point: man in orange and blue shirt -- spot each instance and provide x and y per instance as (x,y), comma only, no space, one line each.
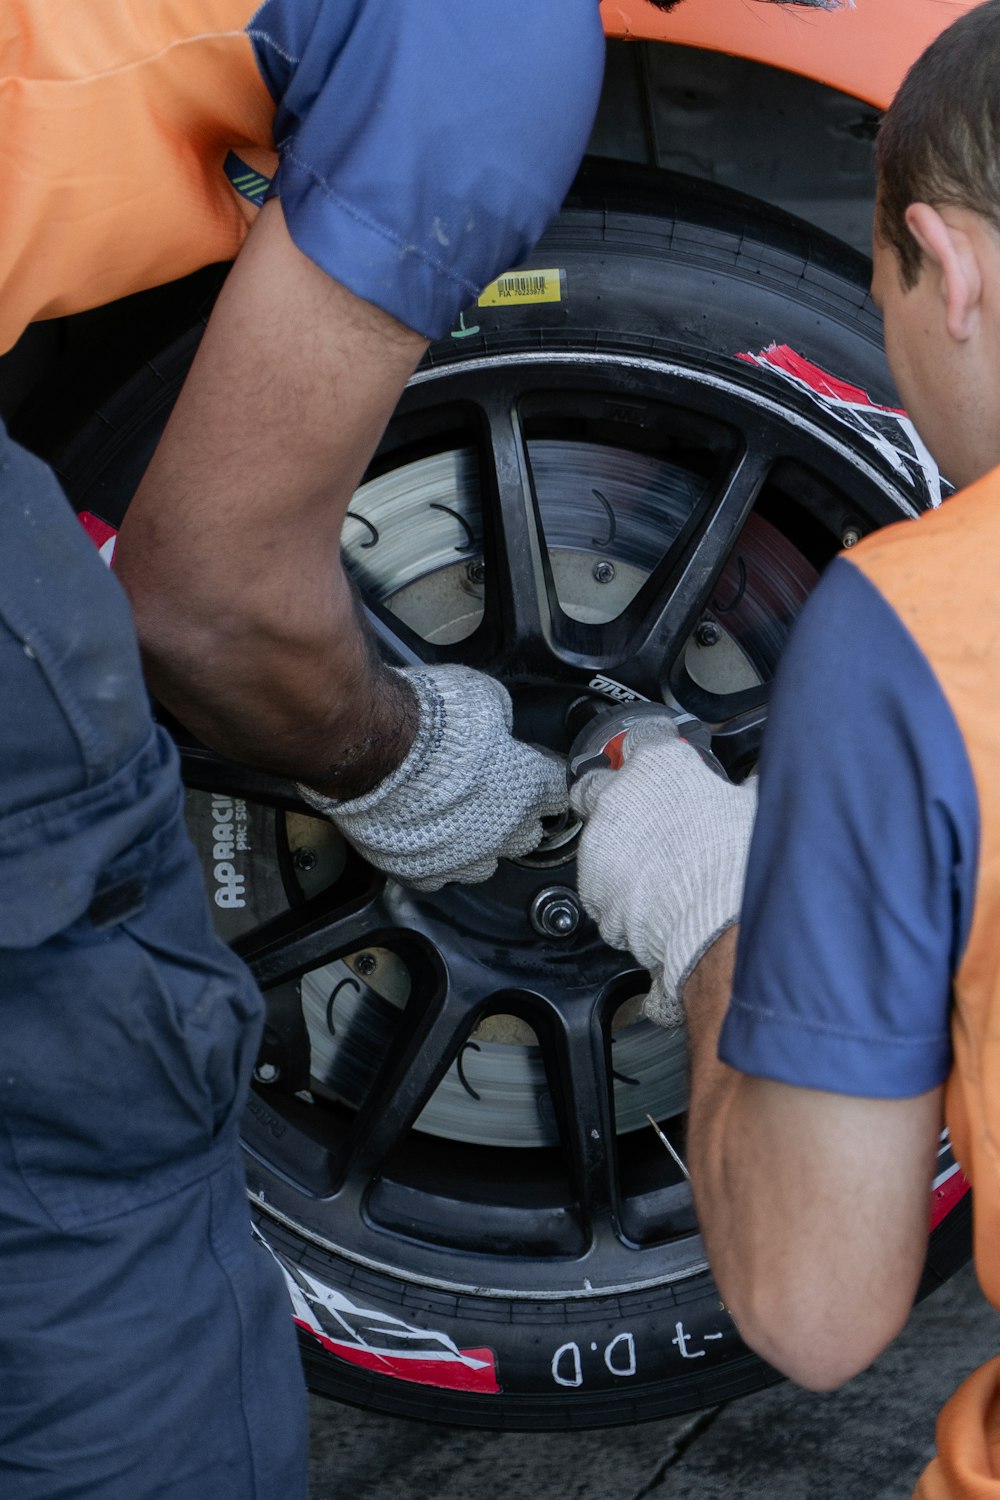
(863,1010)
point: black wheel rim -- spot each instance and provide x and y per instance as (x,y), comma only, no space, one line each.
(735,496)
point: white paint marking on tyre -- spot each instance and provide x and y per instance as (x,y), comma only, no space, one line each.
(887,429)
(364,1336)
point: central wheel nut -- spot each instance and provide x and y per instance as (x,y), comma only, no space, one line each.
(555,912)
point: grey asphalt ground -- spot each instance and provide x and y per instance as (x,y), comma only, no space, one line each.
(868,1441)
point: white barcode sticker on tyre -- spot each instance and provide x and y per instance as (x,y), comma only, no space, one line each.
(516,287)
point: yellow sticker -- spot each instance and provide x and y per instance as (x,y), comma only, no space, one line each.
(517,287)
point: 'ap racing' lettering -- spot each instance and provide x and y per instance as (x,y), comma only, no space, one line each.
(230,886)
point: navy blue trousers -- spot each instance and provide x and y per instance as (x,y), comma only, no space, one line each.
(146,1345)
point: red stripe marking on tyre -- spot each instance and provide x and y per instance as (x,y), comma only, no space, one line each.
(947,1191)
(781,357)
(479,1376)
(103,536)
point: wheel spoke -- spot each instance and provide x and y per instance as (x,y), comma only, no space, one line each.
(736,740)
(580,1080)
(520,592)
(398,644)
(667,607)
(737,719)
(426,1042)
(205,771)
(285,948)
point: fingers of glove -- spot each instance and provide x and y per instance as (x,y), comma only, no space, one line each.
(553,793)
(534,782)
(470,874)
(666,793)
(663,854)
(549,797)
(619,886)
(585,794)
(649,731)
(661,1005)
(627,802)
(524,837)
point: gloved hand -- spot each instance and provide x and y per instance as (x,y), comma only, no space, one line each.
(663,857)
(466,795)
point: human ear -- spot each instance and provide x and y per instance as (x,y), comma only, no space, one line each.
(952,258)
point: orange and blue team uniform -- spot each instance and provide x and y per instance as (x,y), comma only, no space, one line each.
(418,151)
(869,960)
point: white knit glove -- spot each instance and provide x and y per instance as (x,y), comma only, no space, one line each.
(467,794)
(663,857)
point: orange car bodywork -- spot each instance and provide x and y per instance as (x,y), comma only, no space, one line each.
(861,47)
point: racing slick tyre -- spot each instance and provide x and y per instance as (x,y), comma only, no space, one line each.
(619,476)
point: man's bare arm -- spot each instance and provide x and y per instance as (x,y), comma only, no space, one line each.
(230,549)
(814,1206)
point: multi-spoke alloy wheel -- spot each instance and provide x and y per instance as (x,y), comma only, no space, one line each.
(619,477)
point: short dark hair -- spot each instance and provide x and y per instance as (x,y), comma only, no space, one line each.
(939,142)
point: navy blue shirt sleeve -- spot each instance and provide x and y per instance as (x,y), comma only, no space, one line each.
(863,862)
(424,148)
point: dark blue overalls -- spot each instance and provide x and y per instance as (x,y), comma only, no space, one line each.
(146,1346)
